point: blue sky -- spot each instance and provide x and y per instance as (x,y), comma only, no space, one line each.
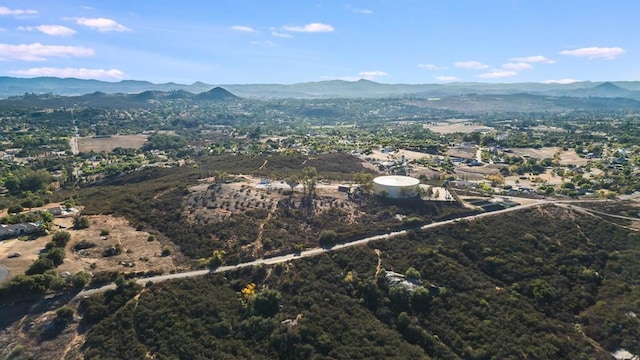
(278,41)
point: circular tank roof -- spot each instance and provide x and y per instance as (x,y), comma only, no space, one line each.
(393,180)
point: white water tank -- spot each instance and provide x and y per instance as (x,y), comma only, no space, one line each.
(396,187)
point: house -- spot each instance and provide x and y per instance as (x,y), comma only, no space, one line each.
(396,279)
(16,230)
(61,212)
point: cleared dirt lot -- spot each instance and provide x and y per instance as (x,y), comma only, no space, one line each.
(566,157)
(398,154)
(456,127)
(475,172)
(87,144)
(138,254)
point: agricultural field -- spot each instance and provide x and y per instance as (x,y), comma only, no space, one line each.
(452,127)
(99,144)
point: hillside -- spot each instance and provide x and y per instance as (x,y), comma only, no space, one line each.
(10,86)
(601,98)
(544,283)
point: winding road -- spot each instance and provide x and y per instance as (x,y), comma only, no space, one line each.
(358,242)
(310,252)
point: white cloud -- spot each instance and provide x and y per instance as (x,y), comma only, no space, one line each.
(39,52)
(447,78)
(534,59)
(561,81)
(101,24)
(372,74)
(517,66)
(471,65)
(16,12)
(281,35)
(53,30)
(264,43)
(80,73)
(358,10)
(367,75)
(242,28)
(596,52)
(310,28)
(495,74)
(432,67)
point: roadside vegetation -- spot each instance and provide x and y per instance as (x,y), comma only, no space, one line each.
(485,290)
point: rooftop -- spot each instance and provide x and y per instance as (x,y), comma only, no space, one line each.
(396,180)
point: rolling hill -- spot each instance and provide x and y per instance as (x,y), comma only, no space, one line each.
(11,86)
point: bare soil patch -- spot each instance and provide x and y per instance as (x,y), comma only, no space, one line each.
(542,153)
(458,127)
(87,144)
(137,255)
(399,154)
(569,157)
(475,172)
(533,181)
(29,250)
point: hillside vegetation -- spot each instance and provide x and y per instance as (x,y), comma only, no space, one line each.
(542,283)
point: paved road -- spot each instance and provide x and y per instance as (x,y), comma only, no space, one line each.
(310,252)
(3,272)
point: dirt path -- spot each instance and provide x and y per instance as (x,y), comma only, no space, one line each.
(263,164)
(378,267)
(295,321)
(162,193)
(257,245)
(76,342)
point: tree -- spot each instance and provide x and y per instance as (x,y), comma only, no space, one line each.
(164,142)
(61,238)
(80,280)
(327,237)
(293,181)
(310,180)
(64,315)
(412,273)
(13,185)
(35,181)
(14,209)
(429,192)
(221,177)
(80,222)
(40,266)
(166,251)
(56,255)
(267,303)
(403,321)
(420,298)
(216,259)
(365,180)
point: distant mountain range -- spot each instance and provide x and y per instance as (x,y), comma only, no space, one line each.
(11,86)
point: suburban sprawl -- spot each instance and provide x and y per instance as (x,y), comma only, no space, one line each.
(320,220)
